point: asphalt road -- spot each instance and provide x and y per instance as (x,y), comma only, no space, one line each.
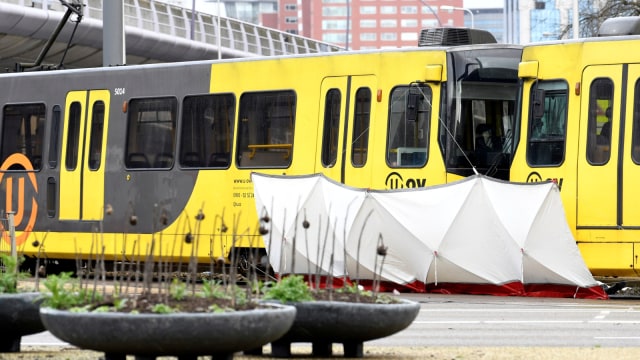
(477,327)
(462,320)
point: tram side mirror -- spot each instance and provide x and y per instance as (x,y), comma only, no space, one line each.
(538,103)
(411,112)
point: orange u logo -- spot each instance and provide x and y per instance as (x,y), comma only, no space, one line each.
(22,160)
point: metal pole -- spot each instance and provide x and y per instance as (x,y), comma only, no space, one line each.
(12,235)
(506,37)
(219,33)
(512,23)
(193,18)
(470,13)
(576,20)
(348,20)
(113,43)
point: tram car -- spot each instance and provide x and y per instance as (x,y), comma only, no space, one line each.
(581,129)
(118,162)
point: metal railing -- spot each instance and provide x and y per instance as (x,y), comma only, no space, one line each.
(176,21)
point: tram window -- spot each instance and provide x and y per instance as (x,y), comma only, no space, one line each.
(479,129)
(599,120)
(54,136)
(52,197)
(207,131)
(95,141)
(547,131)
(73,134)
(265,129)
(23,132)
(361,119)
(408,132)
(150,133)
(635,141)
(331,127)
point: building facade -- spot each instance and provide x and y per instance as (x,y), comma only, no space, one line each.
(367,24)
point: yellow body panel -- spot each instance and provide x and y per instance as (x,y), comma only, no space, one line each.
(528,69)
(433,73)
(608,259)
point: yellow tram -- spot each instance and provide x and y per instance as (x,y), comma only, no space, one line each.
(126,160)
(581,128)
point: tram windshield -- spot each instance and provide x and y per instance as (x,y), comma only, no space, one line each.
(482,92)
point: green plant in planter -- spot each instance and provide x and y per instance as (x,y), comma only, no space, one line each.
(291,288)
(366,296)
(212,289)
(10,277)
(162,309)
(65,294)
(178,289)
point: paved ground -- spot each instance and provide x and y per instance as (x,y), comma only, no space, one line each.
(376,352)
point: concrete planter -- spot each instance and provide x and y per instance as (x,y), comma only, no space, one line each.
(19,316)
(185,335)
(323,323)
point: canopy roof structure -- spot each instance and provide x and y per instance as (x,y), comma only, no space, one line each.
(154,32)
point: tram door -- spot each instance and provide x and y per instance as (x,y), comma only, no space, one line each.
(83,155)
(631,158)
(346,105)
(598,159)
